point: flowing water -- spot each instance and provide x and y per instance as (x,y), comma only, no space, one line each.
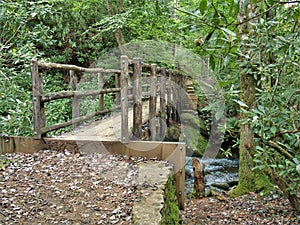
(216,171)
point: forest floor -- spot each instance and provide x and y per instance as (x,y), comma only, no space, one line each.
(62,188)
(248,209)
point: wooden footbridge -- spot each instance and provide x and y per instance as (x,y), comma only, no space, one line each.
(147,99)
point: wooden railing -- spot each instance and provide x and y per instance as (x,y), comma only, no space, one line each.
(166,85)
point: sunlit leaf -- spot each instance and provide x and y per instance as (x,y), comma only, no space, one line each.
(240,103)
(203,6)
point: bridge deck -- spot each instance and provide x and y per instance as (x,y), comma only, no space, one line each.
(106,129)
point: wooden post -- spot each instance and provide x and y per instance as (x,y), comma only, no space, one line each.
(152,102)
(118,85)
(177,158)
(179,95)
(169,97)
(199,185)
(137,94)
(124,99)
(162,102)
(39,118)
(180,177)
(100,87)
(174,95)
(75,102)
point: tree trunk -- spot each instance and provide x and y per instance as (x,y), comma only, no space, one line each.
(118,33)
(199,185)
(249,181)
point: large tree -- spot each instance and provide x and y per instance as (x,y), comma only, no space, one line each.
(249,180)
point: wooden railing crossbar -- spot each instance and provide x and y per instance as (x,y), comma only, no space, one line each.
(76,68)
(68,94)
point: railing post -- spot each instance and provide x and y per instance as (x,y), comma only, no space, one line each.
(162,102)
(152,102)
(124,99)
(39,118)
(180,174)
(174,95)
(180,94)
(75,103)
(118,85)
(137,95)
(169,97)
(100,87)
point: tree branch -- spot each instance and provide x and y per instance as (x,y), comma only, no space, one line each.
(267,10)
(280,149)
(257,15)
(292,95)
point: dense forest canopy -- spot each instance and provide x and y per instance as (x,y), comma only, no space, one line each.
(253,48)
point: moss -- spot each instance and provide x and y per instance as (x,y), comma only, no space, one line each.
(193,127)
(173,133)
(170,211)
(259,183)
(194,121)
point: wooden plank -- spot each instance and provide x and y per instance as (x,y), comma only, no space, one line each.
(152,102)
(39,118)
(124,99)
(75,102)
(20,144)
(137,93)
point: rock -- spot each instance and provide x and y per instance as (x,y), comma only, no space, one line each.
(188,172)
(233,183)
(223,186)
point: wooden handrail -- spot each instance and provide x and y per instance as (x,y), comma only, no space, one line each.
(68,94)
(76,68)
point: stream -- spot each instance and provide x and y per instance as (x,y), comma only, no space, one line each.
(220,174)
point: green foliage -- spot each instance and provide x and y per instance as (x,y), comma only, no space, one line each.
(70,21)
(54,31)
(18,39)
(271,57)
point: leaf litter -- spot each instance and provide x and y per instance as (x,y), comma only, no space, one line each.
(52,187)
(244,210)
